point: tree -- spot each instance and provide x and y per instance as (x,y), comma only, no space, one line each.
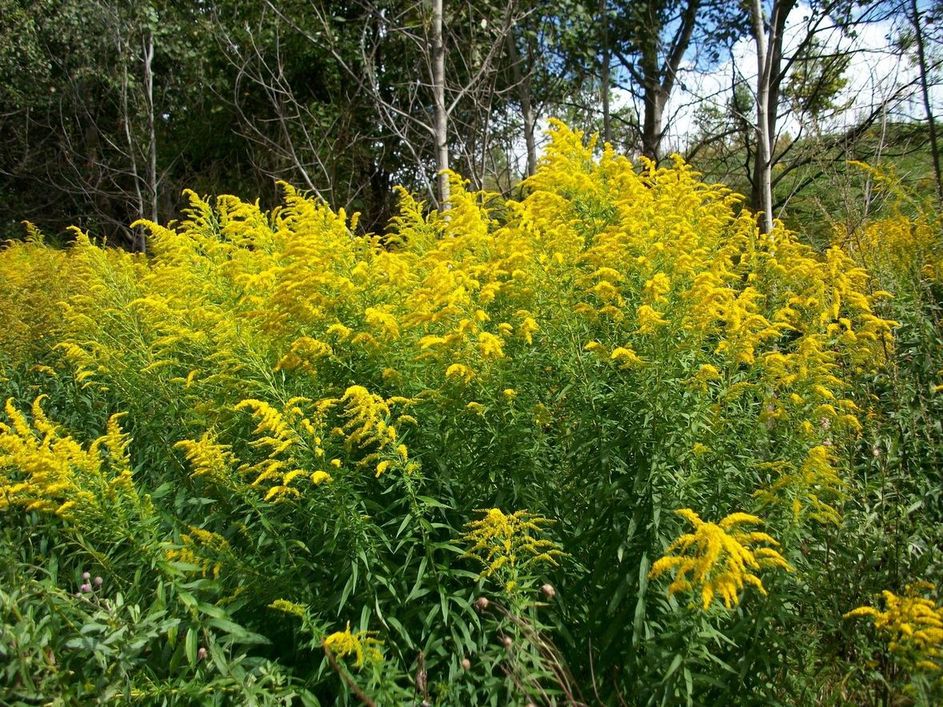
(914,15)
(100,123)
(768,78)
(655,39)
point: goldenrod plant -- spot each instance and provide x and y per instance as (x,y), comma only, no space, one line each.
(441,463)
(718,560)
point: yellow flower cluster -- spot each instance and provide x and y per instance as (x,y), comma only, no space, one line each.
(205,550)
(369,425)
(718,560)
(645,280)
(208,457)
(912,625)
(810,487)
(359,644)
(43,470)
(289,607)
(293,441)
(508,544)
(898,246)
(33,280)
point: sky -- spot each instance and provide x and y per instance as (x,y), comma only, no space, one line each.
(876,72)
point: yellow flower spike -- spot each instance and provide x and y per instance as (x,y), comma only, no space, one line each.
(292,475)
(507,544)
(208,551)
(912,625)
(648,319)
(280,493)
(288,607)
(320,477)
(718,560)
(596,348)
(626,357)
(490,345)
(657,287)
(43,470)
(707,372)
(360,644)
(339,331)
(528,327)
(459,371)
(207,457)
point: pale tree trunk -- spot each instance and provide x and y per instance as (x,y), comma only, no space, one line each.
(522,82)
(441,117)
(151,132)
(138,242)
(604,74)
(925,90)
(762,176)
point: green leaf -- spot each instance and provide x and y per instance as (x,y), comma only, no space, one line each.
(190,645)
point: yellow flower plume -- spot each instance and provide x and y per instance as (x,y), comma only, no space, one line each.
(359,644)
(912,625)
(718,559)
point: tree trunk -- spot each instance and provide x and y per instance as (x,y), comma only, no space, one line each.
(441,117)
(151,132)
(527,109)
(925,90)
(654,99)
(604,74)
(762,177)
(769,83)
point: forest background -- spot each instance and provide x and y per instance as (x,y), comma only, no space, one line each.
(108,110)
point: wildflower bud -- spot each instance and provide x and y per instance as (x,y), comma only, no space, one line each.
(98,581)
(466,664)
(481,603)
(86,575)
(507,642)
(86,587)
(201,654)
(548,590)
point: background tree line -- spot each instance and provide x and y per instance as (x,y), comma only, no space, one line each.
(109,109)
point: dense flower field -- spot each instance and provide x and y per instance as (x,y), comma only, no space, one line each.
(603,443)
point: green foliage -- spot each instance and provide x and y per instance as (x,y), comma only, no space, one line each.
(451,463)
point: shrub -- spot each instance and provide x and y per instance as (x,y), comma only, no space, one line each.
(313,423)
